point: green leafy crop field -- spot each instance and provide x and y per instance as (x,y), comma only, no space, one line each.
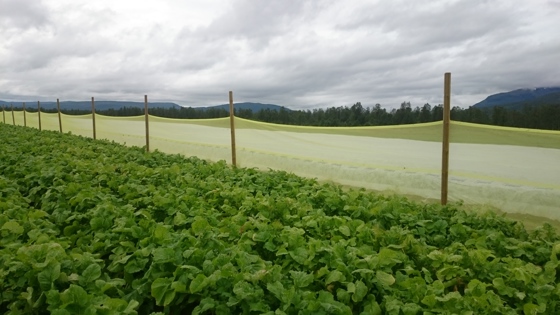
(93,227)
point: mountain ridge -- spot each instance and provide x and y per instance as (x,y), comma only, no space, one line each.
(107,105)
(516,99)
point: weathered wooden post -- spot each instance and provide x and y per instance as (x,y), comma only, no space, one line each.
(59,116)
(93,117)
(232,127)
(39,113)
(24,115)
(445,150)
(147,123)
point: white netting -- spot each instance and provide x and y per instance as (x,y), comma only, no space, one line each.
(514,178)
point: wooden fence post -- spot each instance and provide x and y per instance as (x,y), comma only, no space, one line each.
(39,113)
(147,123)
(232,127)
(3,113)
(59,116)
(445,146)
(93,117)
(13,117)
(24,115)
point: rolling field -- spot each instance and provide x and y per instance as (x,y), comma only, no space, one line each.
(460,132)
(513,170)
(94,227)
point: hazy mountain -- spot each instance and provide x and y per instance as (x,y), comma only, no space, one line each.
(255,107)
(518,98)
(86,105)
(105,105)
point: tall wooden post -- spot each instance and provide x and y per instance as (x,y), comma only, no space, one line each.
(232,127)
(24,115)
(445,150)
(147,123)
(93,117)
(3,114)
(39,113)
(13,116)
(59,116)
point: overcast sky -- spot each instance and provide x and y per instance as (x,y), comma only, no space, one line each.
(295,53)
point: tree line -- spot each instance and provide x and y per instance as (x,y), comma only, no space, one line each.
(537,117)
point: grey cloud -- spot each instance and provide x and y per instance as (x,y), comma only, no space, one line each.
(23,14)
(301,54)
(256,20)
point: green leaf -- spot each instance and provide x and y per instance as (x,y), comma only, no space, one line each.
(161,233)
(180,219)
(530,309)
(328,304)
(393,305)
(131,308)
(476,288)
(198,283)
(372,308)
(48,275)
(385,278)
(199,226)
(136,264)
(163,255)
(276,288)
(53,299)
(450,296)
(179,287)
(345,230)
(335,276)
(361,291)
(388,257)
(411,309)
(243,290)
(13,227)
(429,300)
(301,279)
(90,274)
(282,251)
(343,296)
(351,287)
(115,304)
(205,304)
(162,291)
(522,274)
(299,255)
(75,296)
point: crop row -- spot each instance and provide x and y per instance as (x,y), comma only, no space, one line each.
(93,227)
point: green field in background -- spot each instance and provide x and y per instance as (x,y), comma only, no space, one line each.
(460,132)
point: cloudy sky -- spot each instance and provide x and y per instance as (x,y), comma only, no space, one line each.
(295,53)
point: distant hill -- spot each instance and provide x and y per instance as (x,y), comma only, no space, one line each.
(255,107)
(106,105)
(86,105)
(518,98)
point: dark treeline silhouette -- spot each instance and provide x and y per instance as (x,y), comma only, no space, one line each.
(184,112)
(536,117)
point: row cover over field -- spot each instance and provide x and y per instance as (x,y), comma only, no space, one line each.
(514,170)
(92,227)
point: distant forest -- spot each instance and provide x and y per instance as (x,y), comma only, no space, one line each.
(536,117)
